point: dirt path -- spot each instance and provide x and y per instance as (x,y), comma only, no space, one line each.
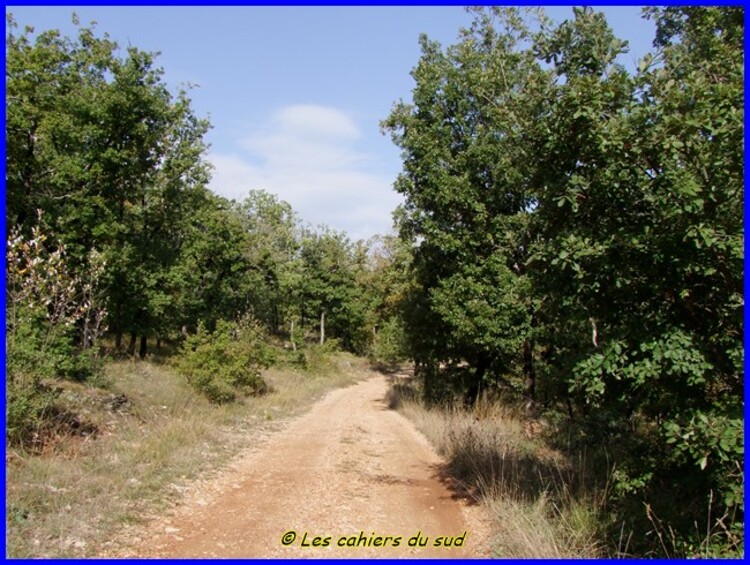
(349,471)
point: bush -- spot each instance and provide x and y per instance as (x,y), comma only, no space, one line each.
(316,358)
(45,301)
(390,343)
(35,353)
(226,362)
(27,402)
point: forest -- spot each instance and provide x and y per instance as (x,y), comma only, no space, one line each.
(571,242)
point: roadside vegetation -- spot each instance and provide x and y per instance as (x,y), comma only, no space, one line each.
(567,278)
(576,243)
(153,329)
(546,499)
(536,496)
(120,453)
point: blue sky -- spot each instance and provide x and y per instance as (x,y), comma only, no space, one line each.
(295,94)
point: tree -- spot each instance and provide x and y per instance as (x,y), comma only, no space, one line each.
(650,293)
(96,140)
(210,280)
(272,251)
(384,276)
(466,180)
(325,288)
(579,225)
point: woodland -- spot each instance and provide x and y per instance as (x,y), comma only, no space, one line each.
(571,241)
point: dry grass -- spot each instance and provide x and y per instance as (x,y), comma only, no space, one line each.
(539,505)
(130,459)
(542,529)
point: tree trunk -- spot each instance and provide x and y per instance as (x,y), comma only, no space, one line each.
(158,344)
(322,327)
(144,347)
(428,374)
(291,335)
(118,341)
(131,345)
(475,388)
(529,384)
(86,342)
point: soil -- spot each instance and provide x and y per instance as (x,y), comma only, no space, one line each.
(350,478)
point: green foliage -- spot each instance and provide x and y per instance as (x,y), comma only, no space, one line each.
(578,225)
(27,403)
(316,358)
(466,180)
(327,284)
(390,342)
(96,140)
(226,362)
(658,282)
(210,280)
(116,161)
(569,229)
(271,249)
(716,441)
(45,302)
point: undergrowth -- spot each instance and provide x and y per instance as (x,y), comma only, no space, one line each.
(535,496)
(549,498)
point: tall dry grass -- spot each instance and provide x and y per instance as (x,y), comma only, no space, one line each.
(148,434)
(538,500)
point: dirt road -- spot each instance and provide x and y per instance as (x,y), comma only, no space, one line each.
(351,473)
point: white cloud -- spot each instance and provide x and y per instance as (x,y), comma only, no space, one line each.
(316,121)
(306,155)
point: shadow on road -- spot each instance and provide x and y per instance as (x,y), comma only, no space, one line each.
(483,457)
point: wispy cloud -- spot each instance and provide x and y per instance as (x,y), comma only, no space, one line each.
(308,156)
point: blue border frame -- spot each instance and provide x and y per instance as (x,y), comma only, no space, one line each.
(381,3)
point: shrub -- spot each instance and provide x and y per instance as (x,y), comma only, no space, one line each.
(28,401)
(390,344)
(45,301)
(317,358)
(226,362)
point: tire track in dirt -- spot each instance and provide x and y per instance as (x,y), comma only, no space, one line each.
(348,467)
